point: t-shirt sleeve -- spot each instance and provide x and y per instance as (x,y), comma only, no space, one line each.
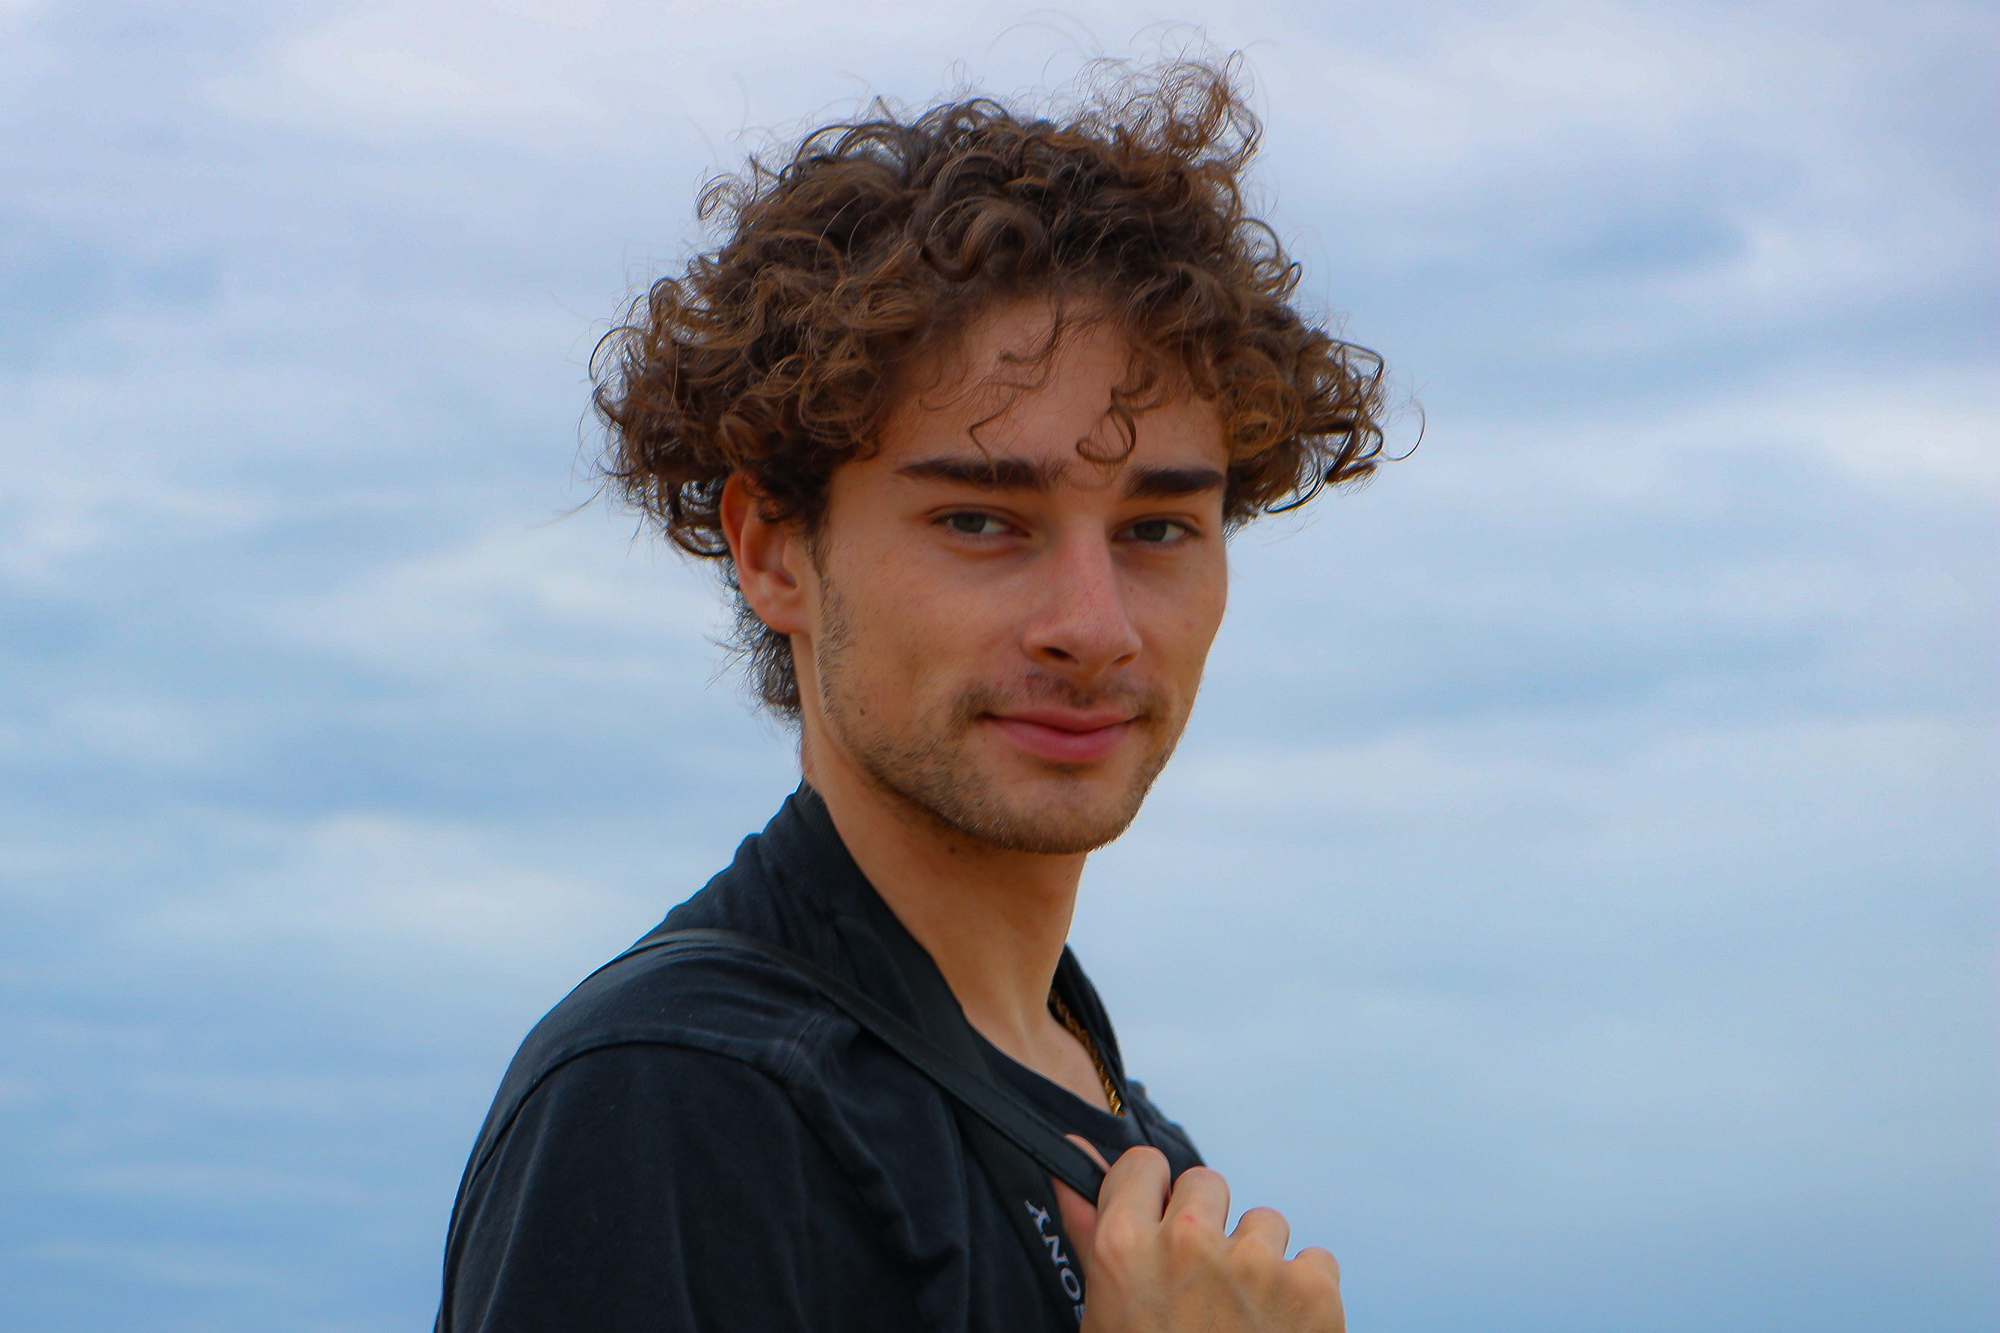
(653,1187)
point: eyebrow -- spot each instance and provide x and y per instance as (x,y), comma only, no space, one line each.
(1003,473)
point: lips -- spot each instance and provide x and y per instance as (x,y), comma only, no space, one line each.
(1062,735)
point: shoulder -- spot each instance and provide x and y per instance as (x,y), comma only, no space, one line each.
(711,1030)
(647,1185)
(677,1096)
(707,997)
(730,1004)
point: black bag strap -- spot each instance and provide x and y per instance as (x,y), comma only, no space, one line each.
(969,1086)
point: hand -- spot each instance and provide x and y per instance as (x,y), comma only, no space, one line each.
(1157,1261)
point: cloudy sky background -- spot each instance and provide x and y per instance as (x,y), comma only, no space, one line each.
(1572,902)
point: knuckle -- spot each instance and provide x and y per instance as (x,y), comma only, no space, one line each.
(1141,1170)
(1116,1240)
(1187,1237)
(1317,1266)
(1307,1299)
(1254,1267)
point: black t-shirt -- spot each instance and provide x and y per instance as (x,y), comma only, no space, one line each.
(706,1143)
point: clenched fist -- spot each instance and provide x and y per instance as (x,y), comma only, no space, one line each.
(1158,1261)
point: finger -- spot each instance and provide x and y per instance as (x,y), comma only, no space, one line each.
(1201,1193)
(1315,1257)
(1265,1228)
(1089,1150)
(1079,1222)
(1136,1188)
(1079,1215)
(1328,1311)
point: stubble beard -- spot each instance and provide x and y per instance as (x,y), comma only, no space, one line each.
(930,772)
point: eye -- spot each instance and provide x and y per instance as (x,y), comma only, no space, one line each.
(1158,531)
(973,523)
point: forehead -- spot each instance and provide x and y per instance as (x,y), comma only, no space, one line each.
(1019,384)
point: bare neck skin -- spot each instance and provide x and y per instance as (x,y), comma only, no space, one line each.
(993,921)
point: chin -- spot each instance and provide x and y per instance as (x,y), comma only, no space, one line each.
(1048,813)
(1042,836)
(1059,832)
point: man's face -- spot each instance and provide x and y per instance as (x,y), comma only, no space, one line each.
(1007,640)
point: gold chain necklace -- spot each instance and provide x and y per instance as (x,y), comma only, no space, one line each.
(1076,1029)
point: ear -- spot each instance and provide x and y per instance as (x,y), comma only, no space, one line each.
(771,560)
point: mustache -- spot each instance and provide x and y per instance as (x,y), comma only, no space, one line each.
(1143,703)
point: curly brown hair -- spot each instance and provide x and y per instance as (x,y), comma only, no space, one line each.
(780,352)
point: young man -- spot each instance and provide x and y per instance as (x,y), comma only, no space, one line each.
(964,407)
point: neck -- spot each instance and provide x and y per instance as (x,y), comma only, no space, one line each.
(994,921)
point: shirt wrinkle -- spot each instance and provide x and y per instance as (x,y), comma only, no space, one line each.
(923,1231)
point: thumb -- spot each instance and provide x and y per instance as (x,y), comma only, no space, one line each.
(1079,1215)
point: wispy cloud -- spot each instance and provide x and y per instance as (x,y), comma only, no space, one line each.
(1576,875)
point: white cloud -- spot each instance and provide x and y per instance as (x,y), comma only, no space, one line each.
(392,69)
(1438,108)
(164,430)
(1928,433)
(126,728)
(362,885)
(1937,429)
(1586,824)
(564,599)
(1469,843)
(1503,136)
(557,79)
(61,508)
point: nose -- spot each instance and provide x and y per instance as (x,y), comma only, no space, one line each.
(1082,627)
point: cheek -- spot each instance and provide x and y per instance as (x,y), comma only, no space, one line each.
(1188,617)
(913,632)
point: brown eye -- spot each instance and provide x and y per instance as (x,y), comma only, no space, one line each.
(1157,531)
(974,524)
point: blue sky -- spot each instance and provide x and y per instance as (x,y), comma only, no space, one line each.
(1572,902)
